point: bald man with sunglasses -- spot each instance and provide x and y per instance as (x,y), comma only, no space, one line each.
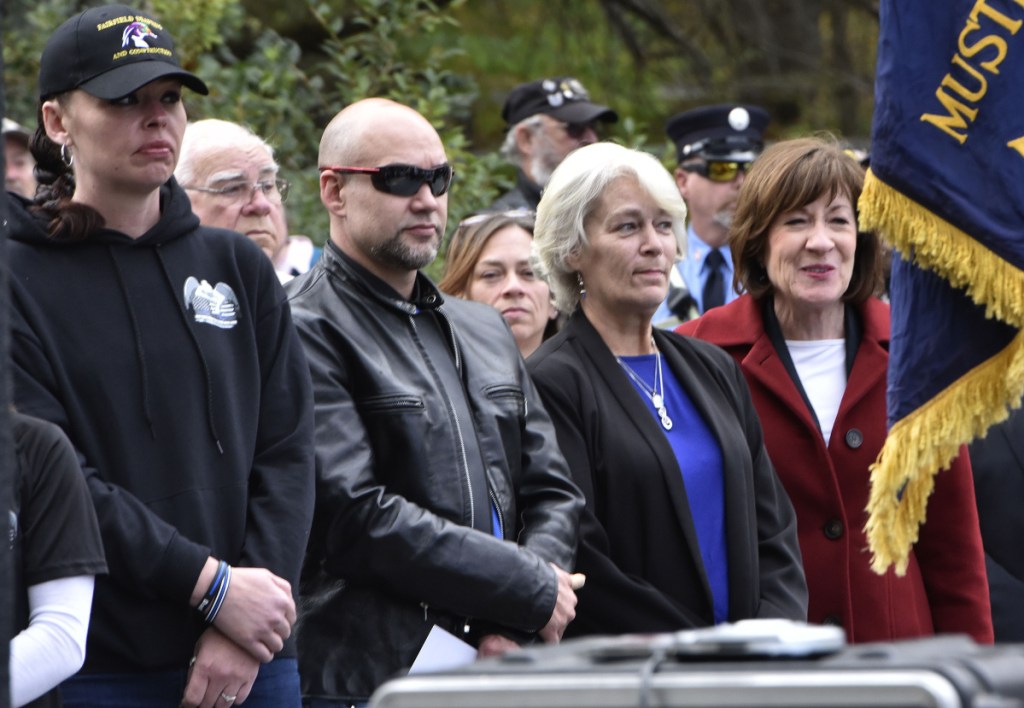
(442,498)
(714,146)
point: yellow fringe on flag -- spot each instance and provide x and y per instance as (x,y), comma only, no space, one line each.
(929,438)
(938,246)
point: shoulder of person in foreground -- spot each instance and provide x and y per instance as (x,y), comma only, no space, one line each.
(52,488)
(59,553)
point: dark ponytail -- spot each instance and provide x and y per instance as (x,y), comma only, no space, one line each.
(68,221)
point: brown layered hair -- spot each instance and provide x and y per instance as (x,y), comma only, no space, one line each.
(468,241)
(789,175)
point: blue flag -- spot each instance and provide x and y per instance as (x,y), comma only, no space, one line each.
(946,190)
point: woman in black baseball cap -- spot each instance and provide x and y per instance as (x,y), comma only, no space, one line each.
(166,352)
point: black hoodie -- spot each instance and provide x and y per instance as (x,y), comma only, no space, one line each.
(171,362)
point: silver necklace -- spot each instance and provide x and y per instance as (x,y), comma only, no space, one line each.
(656,394)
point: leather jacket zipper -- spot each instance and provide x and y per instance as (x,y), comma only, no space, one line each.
(391,402)
(455,419)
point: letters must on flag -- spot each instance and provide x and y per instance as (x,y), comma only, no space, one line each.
(946,190)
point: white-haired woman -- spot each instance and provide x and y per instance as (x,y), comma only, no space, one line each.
(686,523)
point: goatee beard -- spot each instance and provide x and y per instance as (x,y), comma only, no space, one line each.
(398,253)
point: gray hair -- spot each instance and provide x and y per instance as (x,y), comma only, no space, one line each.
(510,148)
(203,134)
(573,194)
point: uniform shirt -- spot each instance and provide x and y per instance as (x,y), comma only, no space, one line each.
(690,271)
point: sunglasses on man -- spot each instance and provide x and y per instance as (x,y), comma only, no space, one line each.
(717,170)
(576,131)
(402,180)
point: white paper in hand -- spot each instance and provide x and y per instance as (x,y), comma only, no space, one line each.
(442,650)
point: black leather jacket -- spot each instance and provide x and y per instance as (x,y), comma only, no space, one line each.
(393,550)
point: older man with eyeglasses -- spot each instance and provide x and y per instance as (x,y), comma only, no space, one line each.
(443,501)
(547,119)
(714,146)
(232,178)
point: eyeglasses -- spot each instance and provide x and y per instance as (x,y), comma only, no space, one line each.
(514,214)
(242,192)
(403,180)
(717,170)
(576,131)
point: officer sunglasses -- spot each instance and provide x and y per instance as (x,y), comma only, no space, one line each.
(717,170)
(402,180)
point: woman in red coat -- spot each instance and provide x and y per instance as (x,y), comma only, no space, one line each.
(813,345)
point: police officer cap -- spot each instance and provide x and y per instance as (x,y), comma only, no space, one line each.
(562,97)
(730,132)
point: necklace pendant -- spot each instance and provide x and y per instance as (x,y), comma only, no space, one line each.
(666,422)
(658,402)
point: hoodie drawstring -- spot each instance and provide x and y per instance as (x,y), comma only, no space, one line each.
(140,353)
(199,350)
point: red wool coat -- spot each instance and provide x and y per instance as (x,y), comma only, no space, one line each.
(945,588)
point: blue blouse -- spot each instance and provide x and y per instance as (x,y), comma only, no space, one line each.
(700,460)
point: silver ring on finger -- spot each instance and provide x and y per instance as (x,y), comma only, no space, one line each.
(227,698)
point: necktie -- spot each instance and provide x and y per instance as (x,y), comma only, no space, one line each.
(714,286)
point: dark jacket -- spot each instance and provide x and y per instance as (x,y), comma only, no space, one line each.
(944,588)
(998,463)
(525,195)
(393,550)
(171,362)
(638,545)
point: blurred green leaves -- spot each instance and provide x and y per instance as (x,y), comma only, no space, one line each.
(285,68)
(389,48)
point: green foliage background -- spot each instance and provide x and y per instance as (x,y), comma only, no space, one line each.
(285,68)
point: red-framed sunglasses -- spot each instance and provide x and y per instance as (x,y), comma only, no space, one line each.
(403,180)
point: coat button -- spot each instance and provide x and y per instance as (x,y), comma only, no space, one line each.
(833,529)
(833,620)
(854,438)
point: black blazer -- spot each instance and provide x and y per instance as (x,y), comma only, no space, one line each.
(998,464)
(638,544)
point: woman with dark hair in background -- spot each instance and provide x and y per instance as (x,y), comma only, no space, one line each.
(489,260)
(165,351)
(813,344)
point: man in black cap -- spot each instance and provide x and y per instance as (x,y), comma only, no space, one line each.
(547,120)
(714,145)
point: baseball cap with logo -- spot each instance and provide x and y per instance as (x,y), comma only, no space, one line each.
(110,52)
(731,132)
(563,98)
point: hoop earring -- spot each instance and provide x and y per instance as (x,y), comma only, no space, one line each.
(583,288)
(66,156)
